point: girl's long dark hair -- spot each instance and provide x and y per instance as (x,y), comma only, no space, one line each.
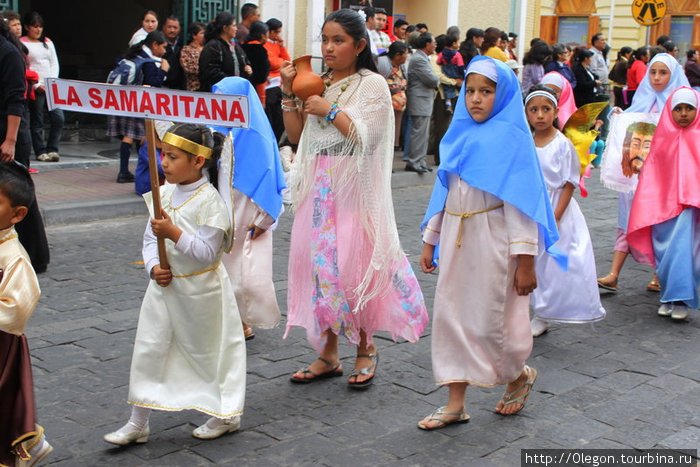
(354,26)
(194,29)
(491,36)
(216,27)
(202,135)
(155,37)
(396,48)
(30,19)
(638,54)
(257,30)
(538,54)
(623,51)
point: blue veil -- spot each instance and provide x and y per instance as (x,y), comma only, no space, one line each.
(645,96)
(258,169)
(497,156)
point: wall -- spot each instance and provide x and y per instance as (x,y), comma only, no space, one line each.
(432,13)
(484,14)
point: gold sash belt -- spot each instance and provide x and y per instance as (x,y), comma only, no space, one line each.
(199,272)
(467,215)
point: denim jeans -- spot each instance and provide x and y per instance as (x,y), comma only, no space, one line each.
(36,114)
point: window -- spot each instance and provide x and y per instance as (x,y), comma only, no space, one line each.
(681,34)
(573,29)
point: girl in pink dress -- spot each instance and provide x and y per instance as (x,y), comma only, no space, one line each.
(664,219)
(347,272)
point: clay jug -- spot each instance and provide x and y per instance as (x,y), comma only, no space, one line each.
(307,83)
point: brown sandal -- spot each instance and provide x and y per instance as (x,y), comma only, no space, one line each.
(332,373)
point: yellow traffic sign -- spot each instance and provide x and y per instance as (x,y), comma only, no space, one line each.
(648,12)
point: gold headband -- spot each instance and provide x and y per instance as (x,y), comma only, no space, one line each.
(187,145)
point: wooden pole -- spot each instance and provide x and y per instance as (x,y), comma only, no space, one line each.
(155,186)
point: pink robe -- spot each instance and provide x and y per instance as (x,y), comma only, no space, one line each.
(668,182)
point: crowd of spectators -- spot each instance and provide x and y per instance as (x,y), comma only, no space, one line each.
(423,71)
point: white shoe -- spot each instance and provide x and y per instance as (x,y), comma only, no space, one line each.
(538,327)
(666,309)
(37,457)
(139,435)
(53,156)
(43,157)
(220,427)
(679,313)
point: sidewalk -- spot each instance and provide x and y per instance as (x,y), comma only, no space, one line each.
(82,186)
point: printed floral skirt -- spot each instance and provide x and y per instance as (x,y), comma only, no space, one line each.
(330,252)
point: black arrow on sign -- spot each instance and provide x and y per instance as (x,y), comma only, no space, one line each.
(651,7)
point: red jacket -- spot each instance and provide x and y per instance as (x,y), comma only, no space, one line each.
(276,54)
(635,74)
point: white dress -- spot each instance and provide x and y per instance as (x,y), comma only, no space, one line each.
(569,296)
(190,351)
(249,265)
(481,326)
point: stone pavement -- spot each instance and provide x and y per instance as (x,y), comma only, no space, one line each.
(82,188)
(630,381)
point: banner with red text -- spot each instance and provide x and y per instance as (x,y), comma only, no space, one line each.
(148,102)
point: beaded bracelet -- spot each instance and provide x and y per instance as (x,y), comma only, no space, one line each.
(289,108)
(288,96)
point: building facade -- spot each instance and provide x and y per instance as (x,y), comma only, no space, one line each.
(89,35)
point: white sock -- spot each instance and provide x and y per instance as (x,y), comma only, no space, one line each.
(139,419)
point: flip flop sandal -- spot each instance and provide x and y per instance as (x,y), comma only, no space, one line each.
(438,415)
(332,373)
(654,286)
(508,399)
(365,372)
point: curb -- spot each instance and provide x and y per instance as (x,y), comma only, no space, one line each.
(57,213)
(74,212)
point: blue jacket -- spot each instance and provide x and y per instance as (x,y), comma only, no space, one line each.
(562,68)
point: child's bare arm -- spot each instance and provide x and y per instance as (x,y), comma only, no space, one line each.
(564,200)
(525,278)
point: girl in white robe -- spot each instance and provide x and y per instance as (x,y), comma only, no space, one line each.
(571,296)
(189,351)
(488,204)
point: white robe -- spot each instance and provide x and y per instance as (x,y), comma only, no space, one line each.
(190,351)
(569,296)
(249,265)
(481,327)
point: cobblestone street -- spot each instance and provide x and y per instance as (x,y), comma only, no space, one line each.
(630,381)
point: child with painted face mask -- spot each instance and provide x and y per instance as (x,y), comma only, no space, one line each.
(487,206)
(664,218)
(663,76)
